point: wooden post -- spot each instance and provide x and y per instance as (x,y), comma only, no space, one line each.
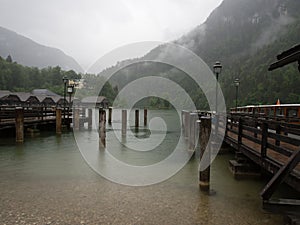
(278,131)
(137,118)
(58,120)
(240,133)
(192,133)
(90,119)
(109,115)
(145,116)
(76,119)
(204,134)
(264,140)
(124,122)
(102,134)
(186,124)
(255,126)
(19,125)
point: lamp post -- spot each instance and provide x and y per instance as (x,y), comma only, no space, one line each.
(217,70)
(70,90)
(236,84)
(65,80)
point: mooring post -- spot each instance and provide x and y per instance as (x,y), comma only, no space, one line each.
(137,118)
(204,134)
(186,124)
(58,113)
(19,125)
(124,122)
(102,135)
(76,119)
(145,116)
(109,115)
(240,133)
(90,119)
(192,133)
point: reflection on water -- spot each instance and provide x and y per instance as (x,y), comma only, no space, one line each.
(46,180)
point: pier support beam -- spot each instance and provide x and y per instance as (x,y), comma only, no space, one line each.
(124,122)
(102,130)
(58,121)
(19,125)
(204,134)
(109,115)
(90,119)
(145,116)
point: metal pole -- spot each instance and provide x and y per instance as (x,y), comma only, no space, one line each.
(236,97)
(217,78)
(65,86)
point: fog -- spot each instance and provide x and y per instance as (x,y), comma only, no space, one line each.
(86,30)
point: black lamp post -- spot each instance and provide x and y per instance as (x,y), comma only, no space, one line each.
(217,70)
(236,84)
(65,80)
(70,90)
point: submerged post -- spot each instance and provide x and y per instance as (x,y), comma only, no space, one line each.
(109,115)
(192,133)
(58,120)
(204,134)
(102,135)
(124,122)
(76,119)
(90,119)
(19,125)
(145,116)
(137,118)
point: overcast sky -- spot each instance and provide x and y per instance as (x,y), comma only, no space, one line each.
(88,29)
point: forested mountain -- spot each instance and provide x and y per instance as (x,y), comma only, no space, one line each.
(246,36)
(29,53)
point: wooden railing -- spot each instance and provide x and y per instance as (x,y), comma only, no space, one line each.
(267,142)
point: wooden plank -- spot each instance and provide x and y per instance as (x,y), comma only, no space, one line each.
(286,139)
(278,178)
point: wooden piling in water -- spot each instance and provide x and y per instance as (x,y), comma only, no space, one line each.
(102,130)
(90,119)
(204,134)
(137,118)
(145,116)
(76,119)
(124,122)
(192,133)
(19,125)
(58,120)
(109,115)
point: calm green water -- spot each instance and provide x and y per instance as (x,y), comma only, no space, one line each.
(46,181)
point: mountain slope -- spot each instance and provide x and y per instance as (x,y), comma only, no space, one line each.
(245,36)
(29,53)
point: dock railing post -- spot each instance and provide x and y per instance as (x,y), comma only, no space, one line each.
(19,125)
(278,131)
(240,133)
(204,134)
(58,113)
(264,140)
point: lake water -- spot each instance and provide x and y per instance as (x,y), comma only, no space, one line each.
(46,181)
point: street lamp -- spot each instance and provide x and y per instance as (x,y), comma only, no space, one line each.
(236,84)
(217,70)
(70,92)
(65,80)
